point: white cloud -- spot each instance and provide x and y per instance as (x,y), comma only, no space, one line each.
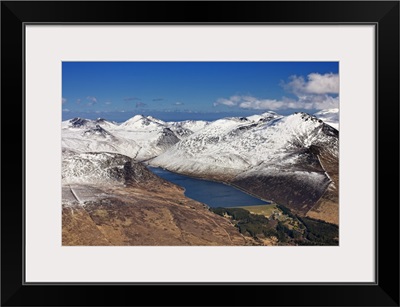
(63,100)
(317,92)
(262,104)
(315,84)
(178,103)
(318,102)
(108,102)
(250,102)
(227,102)
(65,110)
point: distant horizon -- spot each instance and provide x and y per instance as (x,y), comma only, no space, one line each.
(196,90)
(120,117)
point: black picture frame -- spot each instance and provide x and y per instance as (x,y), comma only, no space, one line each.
(383,14)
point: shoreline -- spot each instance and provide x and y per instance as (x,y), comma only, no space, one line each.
(268,202)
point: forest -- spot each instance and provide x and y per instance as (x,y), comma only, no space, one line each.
(291,229)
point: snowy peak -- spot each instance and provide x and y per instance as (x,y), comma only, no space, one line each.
(103,168)
(189,125)
(270,113)
(298,130)
(300,122)
(135,118)
(236,126)
(97,131)
(238,142)
(156,120)
(306,117)
(229,146)
(105,123)
(139,137)
(84,135)
(83,123)
(141,122)
(265,117)
(78,122)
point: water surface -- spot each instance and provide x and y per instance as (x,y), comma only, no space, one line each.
(213,194)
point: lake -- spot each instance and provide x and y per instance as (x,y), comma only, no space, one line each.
(213,194)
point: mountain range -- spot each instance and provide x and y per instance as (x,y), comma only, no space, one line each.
(291,160)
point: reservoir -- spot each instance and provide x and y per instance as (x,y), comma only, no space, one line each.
(213,194)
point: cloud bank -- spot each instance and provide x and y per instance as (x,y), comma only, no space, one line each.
(315,84)
(317,92)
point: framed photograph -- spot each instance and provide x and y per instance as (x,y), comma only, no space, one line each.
(248,147)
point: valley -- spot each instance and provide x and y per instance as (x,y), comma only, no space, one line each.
(112,194)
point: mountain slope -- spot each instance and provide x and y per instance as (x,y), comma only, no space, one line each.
(103,168)
(139,137)
(192,125)
(109,199)
(229,146)
(272,156)
(292,160)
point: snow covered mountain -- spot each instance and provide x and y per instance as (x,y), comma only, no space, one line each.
(82,135)
(275,157)
(83,123)
(139,137)
(102,168)
(330,117)
(228,146)
(140,122)
(292,160)
(185,128)
(152,135)
(192,125)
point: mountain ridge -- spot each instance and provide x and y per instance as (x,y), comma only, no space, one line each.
(292,160)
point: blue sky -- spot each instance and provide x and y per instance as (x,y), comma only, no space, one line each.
(184,90)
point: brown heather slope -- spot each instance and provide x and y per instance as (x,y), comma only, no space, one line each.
(327,207)
(305,198)
(156,213)
(109,199)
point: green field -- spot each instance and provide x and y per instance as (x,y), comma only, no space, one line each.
(265,210)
